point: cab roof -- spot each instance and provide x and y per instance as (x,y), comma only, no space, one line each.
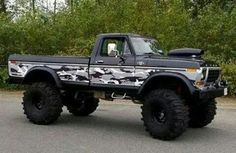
(119,34)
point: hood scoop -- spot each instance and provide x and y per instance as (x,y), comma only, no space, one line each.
(186,53)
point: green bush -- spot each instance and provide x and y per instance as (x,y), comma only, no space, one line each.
(3,78)
(3,75)
(229,74)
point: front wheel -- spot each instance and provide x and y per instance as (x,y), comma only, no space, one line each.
(164,114)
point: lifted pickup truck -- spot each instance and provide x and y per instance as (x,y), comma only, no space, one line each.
(176,91)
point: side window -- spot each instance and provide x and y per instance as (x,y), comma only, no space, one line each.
(115,46)
(126,49)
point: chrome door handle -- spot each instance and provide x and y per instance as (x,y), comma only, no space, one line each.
(99,61)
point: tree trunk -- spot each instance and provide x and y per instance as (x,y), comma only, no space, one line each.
(33,6)
(70,4)
(3,8)
(55,7)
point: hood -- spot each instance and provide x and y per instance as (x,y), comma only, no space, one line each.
(173,62)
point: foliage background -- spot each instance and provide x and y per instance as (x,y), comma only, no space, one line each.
(72,30)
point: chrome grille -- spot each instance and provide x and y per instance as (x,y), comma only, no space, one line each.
(213,75)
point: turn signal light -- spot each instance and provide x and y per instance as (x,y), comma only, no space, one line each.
(200,83)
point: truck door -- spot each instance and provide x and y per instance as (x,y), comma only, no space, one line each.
(114,64)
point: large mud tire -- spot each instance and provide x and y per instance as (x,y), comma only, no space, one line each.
(83,107)
(164,114)
(42,104)
(203,114)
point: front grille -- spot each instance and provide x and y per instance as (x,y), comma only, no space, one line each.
(213,75)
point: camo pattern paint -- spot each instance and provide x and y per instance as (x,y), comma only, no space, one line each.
(66,73)
(115,75)
(97,74)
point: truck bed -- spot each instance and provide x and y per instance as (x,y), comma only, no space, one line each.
(50,59)
(66,69)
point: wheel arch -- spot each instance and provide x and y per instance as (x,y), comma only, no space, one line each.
(163,79)
(42,74)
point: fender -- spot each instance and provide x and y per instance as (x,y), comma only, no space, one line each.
(181,77)
(45,69)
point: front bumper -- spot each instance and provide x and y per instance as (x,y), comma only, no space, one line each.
(210,92)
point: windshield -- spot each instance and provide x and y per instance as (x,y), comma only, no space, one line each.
(144,46)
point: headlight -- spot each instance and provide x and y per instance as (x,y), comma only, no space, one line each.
(191,70)
(202,76)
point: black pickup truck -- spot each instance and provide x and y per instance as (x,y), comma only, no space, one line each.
(176,91)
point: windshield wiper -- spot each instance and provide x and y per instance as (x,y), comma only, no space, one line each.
(149,53)
(152,53)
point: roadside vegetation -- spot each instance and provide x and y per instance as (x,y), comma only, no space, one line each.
(26,27)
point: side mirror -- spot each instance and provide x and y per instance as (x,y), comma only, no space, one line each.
(160,52)
(114,53)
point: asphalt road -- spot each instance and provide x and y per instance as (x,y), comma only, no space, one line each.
(113,128)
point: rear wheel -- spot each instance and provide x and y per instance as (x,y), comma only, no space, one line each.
(42,103)
(164,114)
(83,106)
(203,114)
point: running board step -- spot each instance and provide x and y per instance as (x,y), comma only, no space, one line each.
(113,95)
